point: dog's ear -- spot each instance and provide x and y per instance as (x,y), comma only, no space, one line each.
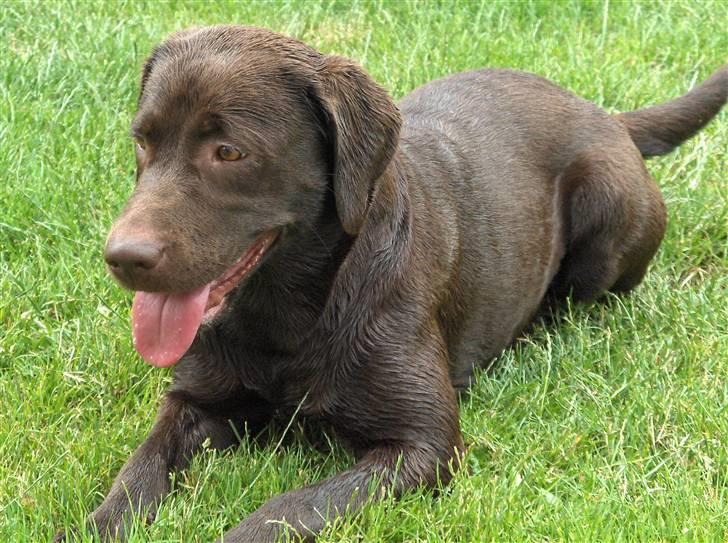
(363,126)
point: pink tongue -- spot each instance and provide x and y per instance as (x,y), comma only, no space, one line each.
(164,325)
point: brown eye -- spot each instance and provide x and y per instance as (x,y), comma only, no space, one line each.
(140,143)
(227,152)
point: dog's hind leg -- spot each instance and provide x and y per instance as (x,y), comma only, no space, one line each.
(614,220)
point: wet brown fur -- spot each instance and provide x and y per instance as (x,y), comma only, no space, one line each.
(417,241)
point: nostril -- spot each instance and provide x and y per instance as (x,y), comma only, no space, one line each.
(133,256)
(110,259)
(146,264)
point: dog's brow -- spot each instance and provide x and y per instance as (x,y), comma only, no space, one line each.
(209,125)
(145,124)
(138,128)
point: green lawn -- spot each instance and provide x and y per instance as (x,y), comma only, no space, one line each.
(612,425)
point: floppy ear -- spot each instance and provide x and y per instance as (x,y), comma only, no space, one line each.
(363,126)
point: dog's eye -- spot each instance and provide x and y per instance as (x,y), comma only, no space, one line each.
(227,152)
(140,142)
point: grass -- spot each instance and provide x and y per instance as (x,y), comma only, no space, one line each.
(610,426)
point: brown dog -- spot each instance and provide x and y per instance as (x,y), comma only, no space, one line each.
(386,251)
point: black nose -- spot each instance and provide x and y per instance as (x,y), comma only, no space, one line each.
(130,258)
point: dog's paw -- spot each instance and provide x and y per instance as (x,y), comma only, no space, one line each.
(257,530)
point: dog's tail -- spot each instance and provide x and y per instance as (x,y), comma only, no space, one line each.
(657,130)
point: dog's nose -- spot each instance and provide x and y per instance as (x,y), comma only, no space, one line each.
(128,258)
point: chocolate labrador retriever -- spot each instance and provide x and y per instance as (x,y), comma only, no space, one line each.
(299,243)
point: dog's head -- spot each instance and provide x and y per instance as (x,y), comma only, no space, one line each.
(239,134)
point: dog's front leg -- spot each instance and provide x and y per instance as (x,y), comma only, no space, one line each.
(400,416)
(181,429)
(304,512)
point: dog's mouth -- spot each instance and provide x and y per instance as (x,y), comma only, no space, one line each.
(164,325)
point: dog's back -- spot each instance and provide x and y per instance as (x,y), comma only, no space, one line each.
(520,159)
